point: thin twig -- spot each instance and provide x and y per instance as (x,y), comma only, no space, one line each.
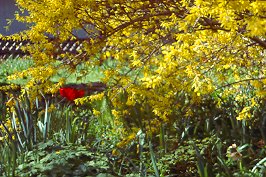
(237,82)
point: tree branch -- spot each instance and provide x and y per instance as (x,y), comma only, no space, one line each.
(259,41)
(237,82)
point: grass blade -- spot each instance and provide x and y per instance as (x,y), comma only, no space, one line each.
(153,160)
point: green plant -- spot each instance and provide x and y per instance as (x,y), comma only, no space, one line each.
(8,158)
(13,65)
(51,158)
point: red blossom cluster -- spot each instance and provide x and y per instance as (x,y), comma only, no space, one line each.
(71,93)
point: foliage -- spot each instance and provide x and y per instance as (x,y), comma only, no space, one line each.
(27,125)
(159,48)
(185,86)
(50,158)
(182,160)
(198,144)
(25,122)
(11,66)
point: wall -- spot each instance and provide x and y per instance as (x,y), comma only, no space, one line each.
(7,10)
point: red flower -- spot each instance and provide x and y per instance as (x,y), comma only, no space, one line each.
(62,92)
(80,93)
(71,93)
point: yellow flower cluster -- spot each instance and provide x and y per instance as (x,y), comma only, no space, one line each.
(158,48)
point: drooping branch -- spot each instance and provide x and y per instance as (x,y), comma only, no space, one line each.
(259,41)
(240,81)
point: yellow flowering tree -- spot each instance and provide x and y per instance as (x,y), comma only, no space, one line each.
(153,50)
